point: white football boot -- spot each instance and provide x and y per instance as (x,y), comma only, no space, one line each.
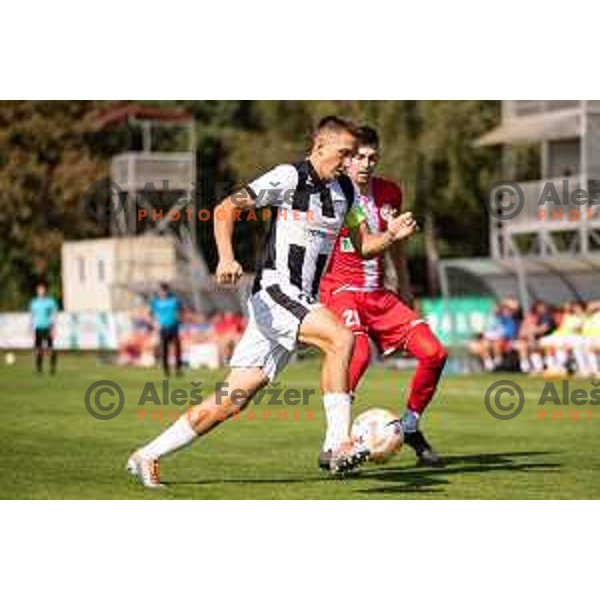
(145,470)
(347,457)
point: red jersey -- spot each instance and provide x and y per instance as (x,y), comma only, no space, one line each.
(346,267)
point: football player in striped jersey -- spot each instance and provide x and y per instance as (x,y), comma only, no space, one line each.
(309,202)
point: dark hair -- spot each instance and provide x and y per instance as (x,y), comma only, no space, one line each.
(367,136)
(43,283)
(164,287)
(337,124)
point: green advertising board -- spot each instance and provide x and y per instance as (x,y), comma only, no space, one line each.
(457,320)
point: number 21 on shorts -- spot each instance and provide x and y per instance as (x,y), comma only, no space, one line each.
(351,318)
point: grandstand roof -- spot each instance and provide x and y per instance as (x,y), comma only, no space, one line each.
(121,115)
(561,125)
(556,278)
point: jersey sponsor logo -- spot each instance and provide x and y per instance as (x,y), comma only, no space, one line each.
(313,233)
(346,244)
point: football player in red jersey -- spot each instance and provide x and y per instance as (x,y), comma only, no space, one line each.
(353,288)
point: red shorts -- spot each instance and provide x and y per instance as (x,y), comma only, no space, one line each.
(379,314)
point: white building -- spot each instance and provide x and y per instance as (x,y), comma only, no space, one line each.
(99,274)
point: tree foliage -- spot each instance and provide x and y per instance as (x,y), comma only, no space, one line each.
(47,161)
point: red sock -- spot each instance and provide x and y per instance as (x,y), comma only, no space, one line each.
(430,353)
(361,358)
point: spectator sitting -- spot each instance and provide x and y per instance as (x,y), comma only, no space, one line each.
(228,330)
(538,323)
(560,344)
(586,351)
(137,348)
(494,345)
(586,345)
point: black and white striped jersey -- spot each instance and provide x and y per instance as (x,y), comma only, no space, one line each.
(306,217)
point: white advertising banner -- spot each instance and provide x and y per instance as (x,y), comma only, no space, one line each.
(72,331)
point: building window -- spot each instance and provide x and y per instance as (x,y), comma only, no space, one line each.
(101,269)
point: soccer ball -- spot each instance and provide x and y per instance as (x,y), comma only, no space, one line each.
(10,359)
(380,431)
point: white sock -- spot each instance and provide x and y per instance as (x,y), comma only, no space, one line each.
(589,360)
(551,362)
(179,435)
(488,364)
(525,366)
(338,412)
(537,362)
(561,357)
(581,361)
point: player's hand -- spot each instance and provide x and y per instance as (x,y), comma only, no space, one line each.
(402,226)
(229,272)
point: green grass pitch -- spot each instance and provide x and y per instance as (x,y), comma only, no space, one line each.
(50,447)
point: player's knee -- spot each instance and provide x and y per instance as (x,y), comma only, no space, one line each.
(436,356)
(440,355)
(342,341)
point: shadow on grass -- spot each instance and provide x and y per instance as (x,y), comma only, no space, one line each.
(414,479)
(244,480)
(409,480)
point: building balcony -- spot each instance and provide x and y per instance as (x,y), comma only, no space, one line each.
(552,205)
(528,108)
(132,171)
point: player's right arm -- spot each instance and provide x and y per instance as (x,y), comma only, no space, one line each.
(228,269)
(267,190)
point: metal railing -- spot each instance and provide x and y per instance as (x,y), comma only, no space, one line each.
(528,108)
(555,204)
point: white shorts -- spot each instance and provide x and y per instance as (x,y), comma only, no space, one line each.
(274,317)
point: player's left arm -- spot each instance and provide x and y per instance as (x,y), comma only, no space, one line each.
(370,244)
(53,312)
